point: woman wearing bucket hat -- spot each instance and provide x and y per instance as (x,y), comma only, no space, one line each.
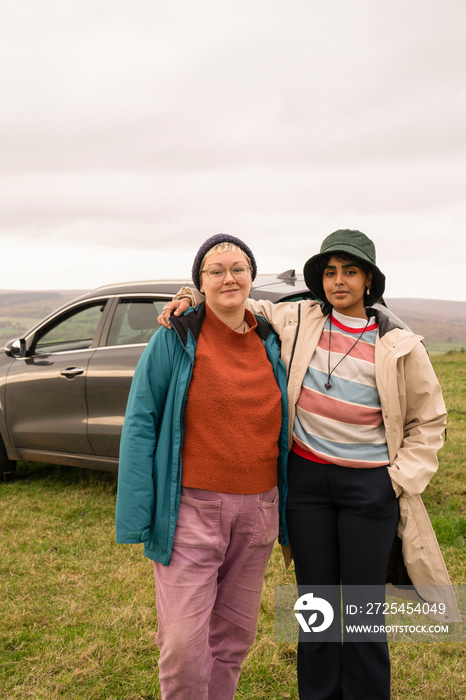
(202,483)
(366,419)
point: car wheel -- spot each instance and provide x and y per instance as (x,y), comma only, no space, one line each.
(7,466)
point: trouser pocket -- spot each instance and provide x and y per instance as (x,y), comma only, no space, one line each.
(267,521)
(198,523)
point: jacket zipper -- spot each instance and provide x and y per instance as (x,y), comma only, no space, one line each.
(294,342)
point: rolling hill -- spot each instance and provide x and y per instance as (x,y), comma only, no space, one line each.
(440,322)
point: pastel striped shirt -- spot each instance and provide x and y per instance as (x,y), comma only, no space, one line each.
(342,425)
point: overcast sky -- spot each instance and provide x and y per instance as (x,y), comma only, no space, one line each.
(132,130)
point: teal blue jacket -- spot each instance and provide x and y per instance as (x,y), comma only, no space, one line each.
(149,475)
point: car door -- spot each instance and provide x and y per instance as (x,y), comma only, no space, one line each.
(46,390)
(111,368)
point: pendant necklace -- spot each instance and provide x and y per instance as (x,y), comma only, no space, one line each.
(243,323)
(331,371)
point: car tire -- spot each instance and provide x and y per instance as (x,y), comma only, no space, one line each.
(7,466)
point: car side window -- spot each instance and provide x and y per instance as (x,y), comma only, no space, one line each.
(134,321)
(73,331)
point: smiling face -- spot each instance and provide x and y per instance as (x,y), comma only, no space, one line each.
(344,285)
(229,295)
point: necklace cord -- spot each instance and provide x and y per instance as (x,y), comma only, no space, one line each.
(243,323)
(331,371)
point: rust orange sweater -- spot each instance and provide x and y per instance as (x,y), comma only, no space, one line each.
(233,414)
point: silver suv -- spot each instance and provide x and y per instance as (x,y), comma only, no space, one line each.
(64,385)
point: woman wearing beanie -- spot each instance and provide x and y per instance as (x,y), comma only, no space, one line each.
(202,475)
(366,419)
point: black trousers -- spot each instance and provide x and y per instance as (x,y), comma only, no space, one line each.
(342,523)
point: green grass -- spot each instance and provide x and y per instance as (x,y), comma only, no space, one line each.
(77,613)
(442,348)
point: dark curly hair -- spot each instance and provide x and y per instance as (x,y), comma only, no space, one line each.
(321,264)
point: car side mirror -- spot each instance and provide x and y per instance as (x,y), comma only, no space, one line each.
(16,348)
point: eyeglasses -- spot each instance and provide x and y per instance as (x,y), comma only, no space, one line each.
(216,273)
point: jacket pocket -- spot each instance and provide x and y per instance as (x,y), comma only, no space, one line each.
(198,523)
(397,488)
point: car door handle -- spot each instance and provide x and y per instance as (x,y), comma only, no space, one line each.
(72,372)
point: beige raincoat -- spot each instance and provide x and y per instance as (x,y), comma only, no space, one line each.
(414,417)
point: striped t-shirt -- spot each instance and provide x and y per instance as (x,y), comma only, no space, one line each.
(342,425)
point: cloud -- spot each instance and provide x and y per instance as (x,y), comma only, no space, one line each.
(135,126)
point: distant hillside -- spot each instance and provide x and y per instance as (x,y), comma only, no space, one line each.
(42,302)
(21,310)
(440,322)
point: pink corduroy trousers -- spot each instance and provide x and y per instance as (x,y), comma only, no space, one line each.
(208,597)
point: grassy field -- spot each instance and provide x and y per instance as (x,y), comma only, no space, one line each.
(77,613)
(445,348)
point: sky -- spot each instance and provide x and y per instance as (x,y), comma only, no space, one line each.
(132,130)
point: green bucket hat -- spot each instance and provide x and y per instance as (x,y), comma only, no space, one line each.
(353,243)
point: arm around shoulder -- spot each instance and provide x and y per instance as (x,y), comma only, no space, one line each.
(194,296)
